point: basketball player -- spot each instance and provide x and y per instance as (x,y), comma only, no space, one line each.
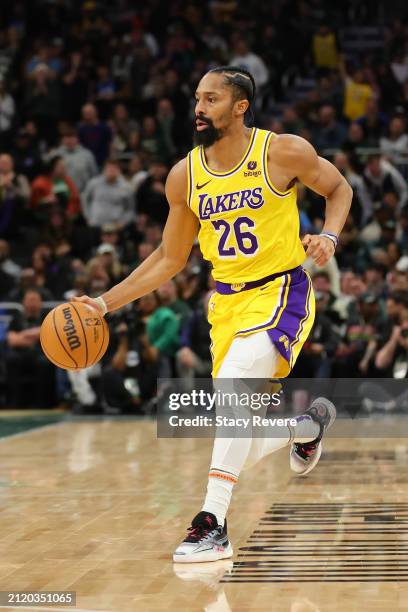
(237,189)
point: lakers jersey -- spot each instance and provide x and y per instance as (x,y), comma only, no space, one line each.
(248,228)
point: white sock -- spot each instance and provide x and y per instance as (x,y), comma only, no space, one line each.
(253,357)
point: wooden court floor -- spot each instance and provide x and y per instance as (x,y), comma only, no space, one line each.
(97,507)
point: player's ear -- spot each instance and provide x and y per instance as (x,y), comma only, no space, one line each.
(241,106)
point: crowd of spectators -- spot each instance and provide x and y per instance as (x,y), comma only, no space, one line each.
(97,103)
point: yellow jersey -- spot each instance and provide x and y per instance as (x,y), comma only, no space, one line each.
(248,228)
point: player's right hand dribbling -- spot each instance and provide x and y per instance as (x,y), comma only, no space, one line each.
(94,303)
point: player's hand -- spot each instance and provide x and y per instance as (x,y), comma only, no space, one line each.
(85,299)
(319,248)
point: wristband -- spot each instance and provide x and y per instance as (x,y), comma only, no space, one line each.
(101,302)
(332,237)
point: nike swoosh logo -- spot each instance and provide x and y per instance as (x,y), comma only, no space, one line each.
(203,185)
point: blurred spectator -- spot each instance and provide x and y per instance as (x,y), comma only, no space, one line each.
(194,358)
(362,205)
(14,195)
(26,155)
(395,145)
(75,86)
(325,48)
(79,162)
(329,133)
(28,280)
(392,357)
(94,134)
(122,127)
(107,257)
(161,340)
(382,177)
(316,357)
(374,123)
(245,58)
(167,293)
(108,198)
(42,101)
(27,366)
(357,93)
(151,140)
(7,265)
(137,174)
(151,193)
(54,188)
(7,111)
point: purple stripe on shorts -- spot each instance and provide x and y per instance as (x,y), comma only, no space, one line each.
(275,314)
(285,332)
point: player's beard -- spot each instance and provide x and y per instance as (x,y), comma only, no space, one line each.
(208,136)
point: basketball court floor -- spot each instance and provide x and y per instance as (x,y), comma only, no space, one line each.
(97,507)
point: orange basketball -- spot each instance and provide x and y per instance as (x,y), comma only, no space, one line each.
(74,336)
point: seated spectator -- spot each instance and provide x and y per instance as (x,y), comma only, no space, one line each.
(167,293)
(26,155)
(107,257)
(161,340)
(7,265)
(355,138)
(29,280)
(194,358)
(108,198)
(392,357)
(137,174)
(329,133)
(122,126)
(128,379)
(79,162)
(361,197)
(54,188)
(14,195)
(291,122)
(151,140)
(30,375)
(374,123)
(7,111)
(151,196)
(21,185)
(105,88)
(315,359)
(395,145)
(94,134)
(382,177)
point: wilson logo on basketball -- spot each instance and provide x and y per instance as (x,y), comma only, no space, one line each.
(70,331)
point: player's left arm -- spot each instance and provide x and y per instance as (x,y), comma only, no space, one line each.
(300,161)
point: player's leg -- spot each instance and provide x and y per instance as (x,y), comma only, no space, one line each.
(249,357)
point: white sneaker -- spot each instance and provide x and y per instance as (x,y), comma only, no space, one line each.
(206,541)
(304,457)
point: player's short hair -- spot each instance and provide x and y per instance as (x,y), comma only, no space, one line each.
(242,83)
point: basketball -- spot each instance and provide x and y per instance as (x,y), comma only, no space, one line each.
(74,336)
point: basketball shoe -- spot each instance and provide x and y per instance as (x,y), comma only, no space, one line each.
(206,541)
(304,457)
